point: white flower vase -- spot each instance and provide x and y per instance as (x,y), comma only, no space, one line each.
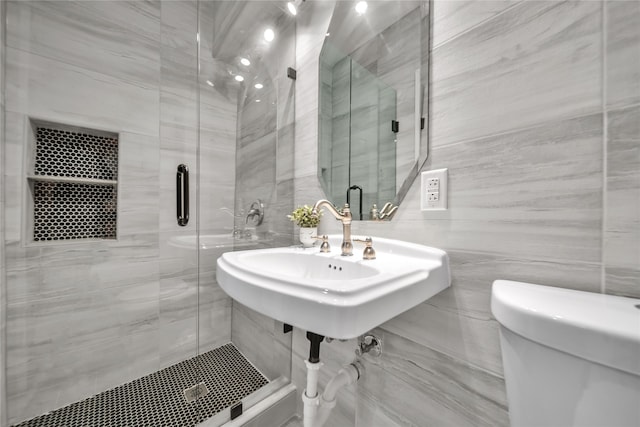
(307,235)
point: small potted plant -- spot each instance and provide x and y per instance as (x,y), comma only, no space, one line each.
(308,222)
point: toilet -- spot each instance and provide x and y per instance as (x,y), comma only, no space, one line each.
(570,358)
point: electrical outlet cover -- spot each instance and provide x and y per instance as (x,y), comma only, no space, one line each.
(433,190)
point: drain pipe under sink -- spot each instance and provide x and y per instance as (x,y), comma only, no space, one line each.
(317,408)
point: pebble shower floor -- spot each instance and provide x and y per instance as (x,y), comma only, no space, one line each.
(157,400)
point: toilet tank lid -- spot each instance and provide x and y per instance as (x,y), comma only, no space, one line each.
(596,327)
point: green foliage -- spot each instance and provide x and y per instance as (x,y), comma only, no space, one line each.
(303,216)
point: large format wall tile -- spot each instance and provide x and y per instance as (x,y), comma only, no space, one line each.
(535,62)
(452,18)
(414,385)
(116,38)
(138,184)
(49,89)
(474,273)
(469,339)
(179,21)
(623,52)
(3,282)
(56,346)
(262,340)
(524,189)
(517,194)
(622,228)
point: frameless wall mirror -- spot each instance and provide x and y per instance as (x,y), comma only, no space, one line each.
(373,102)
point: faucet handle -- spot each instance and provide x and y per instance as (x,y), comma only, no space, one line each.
(387,212)
(256,213)
(369,252)
(324,247)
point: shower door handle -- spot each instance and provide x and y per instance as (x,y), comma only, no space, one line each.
(182,192)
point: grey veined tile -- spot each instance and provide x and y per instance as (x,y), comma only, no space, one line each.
(531,194)
(414,385)
(117,38)
(535,62)
(53,90)
(622,228)
(623,52)
(451,18)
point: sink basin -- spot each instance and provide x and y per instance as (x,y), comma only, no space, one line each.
(331,295)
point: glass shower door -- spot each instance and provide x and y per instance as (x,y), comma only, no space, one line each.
(102,281)
(246,158)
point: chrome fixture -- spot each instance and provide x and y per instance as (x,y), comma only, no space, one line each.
(375,215)
(369,344)
(324,247)
(369,252)
(256,213)
(345,218)
(388,211)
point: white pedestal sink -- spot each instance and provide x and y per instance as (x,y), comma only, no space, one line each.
(331,295)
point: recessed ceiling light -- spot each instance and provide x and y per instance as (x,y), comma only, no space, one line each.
(245,61)
(258,86)
(257,100)
(210,83)
(361,7)
(269,35)
(292,8)
(327,35)
(239,78)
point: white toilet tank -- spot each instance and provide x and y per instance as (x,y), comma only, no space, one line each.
(570,358)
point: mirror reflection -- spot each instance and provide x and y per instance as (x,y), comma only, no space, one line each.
(372,73)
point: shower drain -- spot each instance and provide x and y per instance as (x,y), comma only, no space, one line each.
(159,400)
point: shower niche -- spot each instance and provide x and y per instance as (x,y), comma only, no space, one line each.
(73,183)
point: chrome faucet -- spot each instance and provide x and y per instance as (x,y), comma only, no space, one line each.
(256,213)
(345,218)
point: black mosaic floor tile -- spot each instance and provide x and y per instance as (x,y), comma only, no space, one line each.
(158,400)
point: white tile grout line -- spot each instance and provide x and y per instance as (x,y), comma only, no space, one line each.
(605,132)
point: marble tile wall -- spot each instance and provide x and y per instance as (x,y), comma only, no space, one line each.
(622,109)
(3,282)
(128,67)
(69,305)
(517,106)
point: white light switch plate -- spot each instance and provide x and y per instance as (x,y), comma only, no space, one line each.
(433,190)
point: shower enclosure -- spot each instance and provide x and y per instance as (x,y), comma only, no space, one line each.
(137,138)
